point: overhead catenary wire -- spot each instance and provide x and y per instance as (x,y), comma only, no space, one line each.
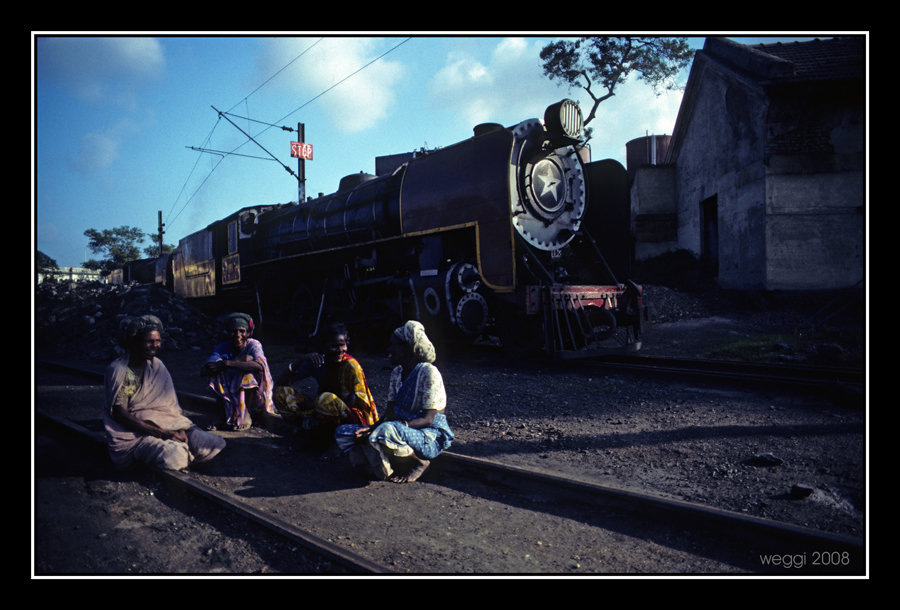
(349,76)
(281,127)
(223,153)
(280,70)
(255,142)
(285,117)
(171,218)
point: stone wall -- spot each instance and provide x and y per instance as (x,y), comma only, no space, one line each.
(654,222)
(720,159)
(780,170)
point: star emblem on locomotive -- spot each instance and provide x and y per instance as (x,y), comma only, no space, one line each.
(548,185)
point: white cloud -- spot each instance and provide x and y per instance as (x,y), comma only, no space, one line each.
(99,70)
(98,150)
(354,104)
(506,89)
(461,72)
(510,86)
(511,50)
(637,110)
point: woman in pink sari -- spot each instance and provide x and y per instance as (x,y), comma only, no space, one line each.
(239,374)
(143,420)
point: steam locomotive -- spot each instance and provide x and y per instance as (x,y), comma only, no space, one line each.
(496,236)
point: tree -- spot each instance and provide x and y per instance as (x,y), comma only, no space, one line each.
(605,62)
(120,245)
(43,264)
(152,251)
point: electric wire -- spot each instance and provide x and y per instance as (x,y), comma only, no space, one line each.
(346,78)
(244,100)
(285,117)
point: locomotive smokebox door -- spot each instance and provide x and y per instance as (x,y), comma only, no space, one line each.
(548,194)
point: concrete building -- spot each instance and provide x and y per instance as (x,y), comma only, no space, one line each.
(72,274)
(763,178)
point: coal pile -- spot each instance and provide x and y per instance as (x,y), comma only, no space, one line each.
(667,304)
(81,319)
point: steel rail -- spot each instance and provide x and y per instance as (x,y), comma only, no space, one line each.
(657,507)
(728,523)
(770,373)
(351,561)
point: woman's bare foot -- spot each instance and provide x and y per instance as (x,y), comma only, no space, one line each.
(419,467)
(379,464)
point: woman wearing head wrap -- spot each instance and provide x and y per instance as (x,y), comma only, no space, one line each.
(143,420)
(342,395)
(239,374)
(414,429)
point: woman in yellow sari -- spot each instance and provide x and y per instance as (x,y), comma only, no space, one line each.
(343,396)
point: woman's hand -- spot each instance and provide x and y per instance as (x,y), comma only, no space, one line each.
(122,415)
(211,369)
(315,357)
(175,435)
(246,364)
(361,433)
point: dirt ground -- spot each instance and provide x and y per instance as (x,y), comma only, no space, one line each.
(774,454)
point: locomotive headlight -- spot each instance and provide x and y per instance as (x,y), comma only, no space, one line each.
(564,122)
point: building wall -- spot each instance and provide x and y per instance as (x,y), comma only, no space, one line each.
(815,197)
(654,222)
(781,167)
(75,274)
(721,159)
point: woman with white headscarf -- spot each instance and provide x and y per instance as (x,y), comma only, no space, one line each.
(414,429)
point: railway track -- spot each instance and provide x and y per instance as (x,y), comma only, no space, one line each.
(672,536)
(811,377)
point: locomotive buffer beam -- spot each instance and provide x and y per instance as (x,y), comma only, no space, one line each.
(578,319)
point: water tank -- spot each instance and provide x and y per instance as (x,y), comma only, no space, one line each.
(649,150)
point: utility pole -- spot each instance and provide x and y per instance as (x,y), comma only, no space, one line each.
(301,166)
(161,225)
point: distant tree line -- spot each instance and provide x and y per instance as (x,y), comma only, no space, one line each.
(119,246)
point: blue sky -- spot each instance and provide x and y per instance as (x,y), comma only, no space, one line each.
(118,119)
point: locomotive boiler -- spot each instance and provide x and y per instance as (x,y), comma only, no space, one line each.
(493,236)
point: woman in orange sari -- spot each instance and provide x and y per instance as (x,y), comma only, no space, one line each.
(343,396)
